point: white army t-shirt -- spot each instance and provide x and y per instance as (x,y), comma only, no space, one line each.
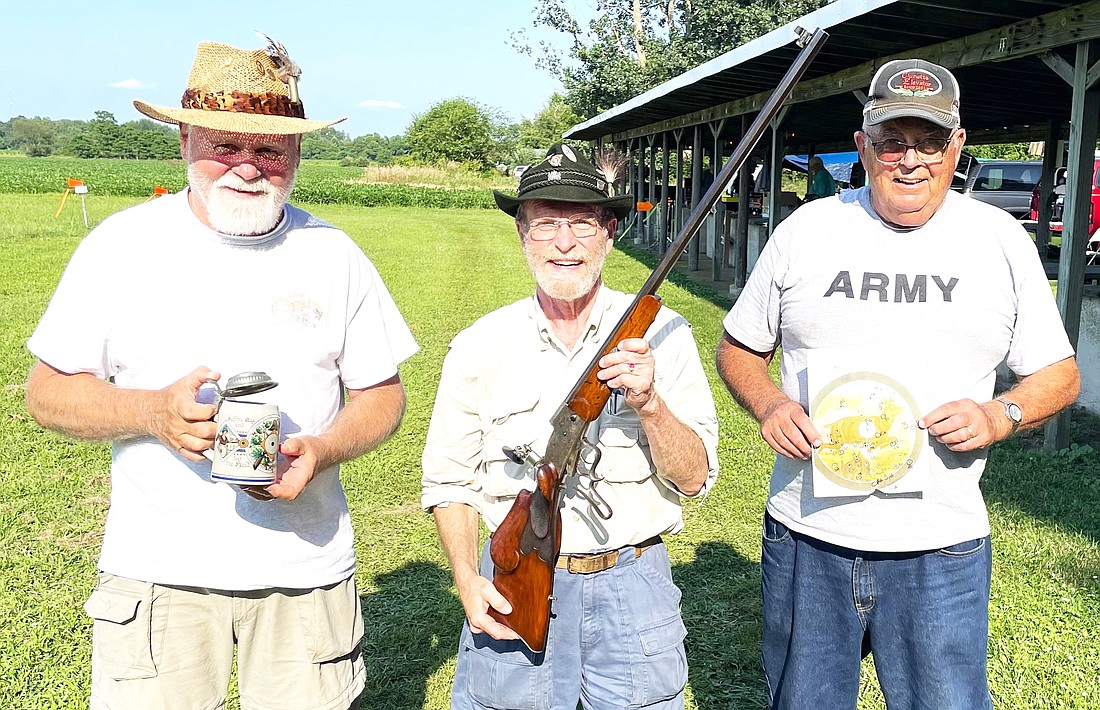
(956,296)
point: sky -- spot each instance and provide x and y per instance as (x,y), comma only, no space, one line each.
(376,62)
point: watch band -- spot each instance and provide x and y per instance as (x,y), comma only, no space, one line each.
(1013,413)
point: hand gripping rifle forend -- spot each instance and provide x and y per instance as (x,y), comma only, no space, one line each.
(525,547)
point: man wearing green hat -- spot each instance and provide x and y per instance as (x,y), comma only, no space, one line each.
(616,635)
(224,276)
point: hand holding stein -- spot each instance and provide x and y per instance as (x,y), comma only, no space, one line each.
(246,444)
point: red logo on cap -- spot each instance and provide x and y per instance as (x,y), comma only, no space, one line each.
(914,82)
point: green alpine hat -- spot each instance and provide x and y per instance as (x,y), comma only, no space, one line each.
(565,176)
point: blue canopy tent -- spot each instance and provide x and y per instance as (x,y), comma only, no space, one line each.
(839,165)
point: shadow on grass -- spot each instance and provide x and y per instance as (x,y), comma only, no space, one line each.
(721,609)
(1062,489)
(413,622)
(412,625)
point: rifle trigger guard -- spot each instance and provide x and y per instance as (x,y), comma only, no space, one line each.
(589,459)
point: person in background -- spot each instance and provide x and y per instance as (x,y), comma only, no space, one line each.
(821,181)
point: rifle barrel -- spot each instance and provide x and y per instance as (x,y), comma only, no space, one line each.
(736,162)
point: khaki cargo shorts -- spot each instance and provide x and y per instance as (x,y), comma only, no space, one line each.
(155,646)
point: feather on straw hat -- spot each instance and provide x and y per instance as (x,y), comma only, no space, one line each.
(244,91)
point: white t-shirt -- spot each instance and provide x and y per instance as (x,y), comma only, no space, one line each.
(957,296)
(503,380)
(151,294)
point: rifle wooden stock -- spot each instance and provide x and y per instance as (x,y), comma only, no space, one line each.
(525,547)
(524,550)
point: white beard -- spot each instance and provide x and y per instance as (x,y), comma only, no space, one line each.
(569,288)
(241,216)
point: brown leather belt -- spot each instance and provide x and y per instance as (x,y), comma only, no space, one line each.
(599,561)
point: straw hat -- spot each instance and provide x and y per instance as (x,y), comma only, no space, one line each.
(244,91)
(565,176)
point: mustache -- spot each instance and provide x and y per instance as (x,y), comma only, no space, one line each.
(235,182)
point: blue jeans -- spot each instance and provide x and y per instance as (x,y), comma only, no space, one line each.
(924,616)
(616,641)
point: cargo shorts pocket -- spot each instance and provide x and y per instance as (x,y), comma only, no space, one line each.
(122,629)
(332,621)
(501,675)
(660,670)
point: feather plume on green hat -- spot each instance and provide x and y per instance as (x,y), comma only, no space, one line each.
(565,176)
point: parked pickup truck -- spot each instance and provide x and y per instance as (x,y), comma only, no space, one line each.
(1058,199)
(1007,184)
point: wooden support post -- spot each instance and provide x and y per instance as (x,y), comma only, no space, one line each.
(664,214)
(681,198)
(744,208)
(651,193)
(776,181)
(718,255)
(1075,228)
(1046,186)
(696,192)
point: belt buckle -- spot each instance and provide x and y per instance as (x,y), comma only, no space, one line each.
(593,564)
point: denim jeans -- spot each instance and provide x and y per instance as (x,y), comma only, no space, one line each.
(616,641)
(923,615)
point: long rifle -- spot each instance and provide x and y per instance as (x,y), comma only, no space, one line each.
(525,546)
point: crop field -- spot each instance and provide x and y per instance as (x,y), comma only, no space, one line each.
(445,268)
(319,182)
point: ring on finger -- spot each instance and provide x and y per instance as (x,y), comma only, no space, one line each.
(969,431)
(631,367)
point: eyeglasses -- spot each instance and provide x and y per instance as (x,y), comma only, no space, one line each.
(930,151)
(544,229)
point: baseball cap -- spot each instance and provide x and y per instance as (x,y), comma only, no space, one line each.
(913,88)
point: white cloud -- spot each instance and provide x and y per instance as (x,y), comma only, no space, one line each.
(130,84)
(379,104)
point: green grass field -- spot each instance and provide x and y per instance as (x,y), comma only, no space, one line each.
(446,268)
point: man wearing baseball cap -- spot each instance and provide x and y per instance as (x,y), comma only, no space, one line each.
(222,278)
(893,306)
(616,636)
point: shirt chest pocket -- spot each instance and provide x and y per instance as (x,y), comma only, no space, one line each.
(624,450)
(509,421)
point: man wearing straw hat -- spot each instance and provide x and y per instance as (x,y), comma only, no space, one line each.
(616,635)
(224,275)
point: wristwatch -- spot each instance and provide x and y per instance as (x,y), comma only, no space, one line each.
(1013,412)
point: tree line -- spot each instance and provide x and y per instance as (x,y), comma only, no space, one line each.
(457,130)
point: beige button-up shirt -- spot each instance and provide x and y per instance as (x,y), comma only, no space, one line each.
(504,378)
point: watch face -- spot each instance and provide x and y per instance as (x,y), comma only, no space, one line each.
(1014,412)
